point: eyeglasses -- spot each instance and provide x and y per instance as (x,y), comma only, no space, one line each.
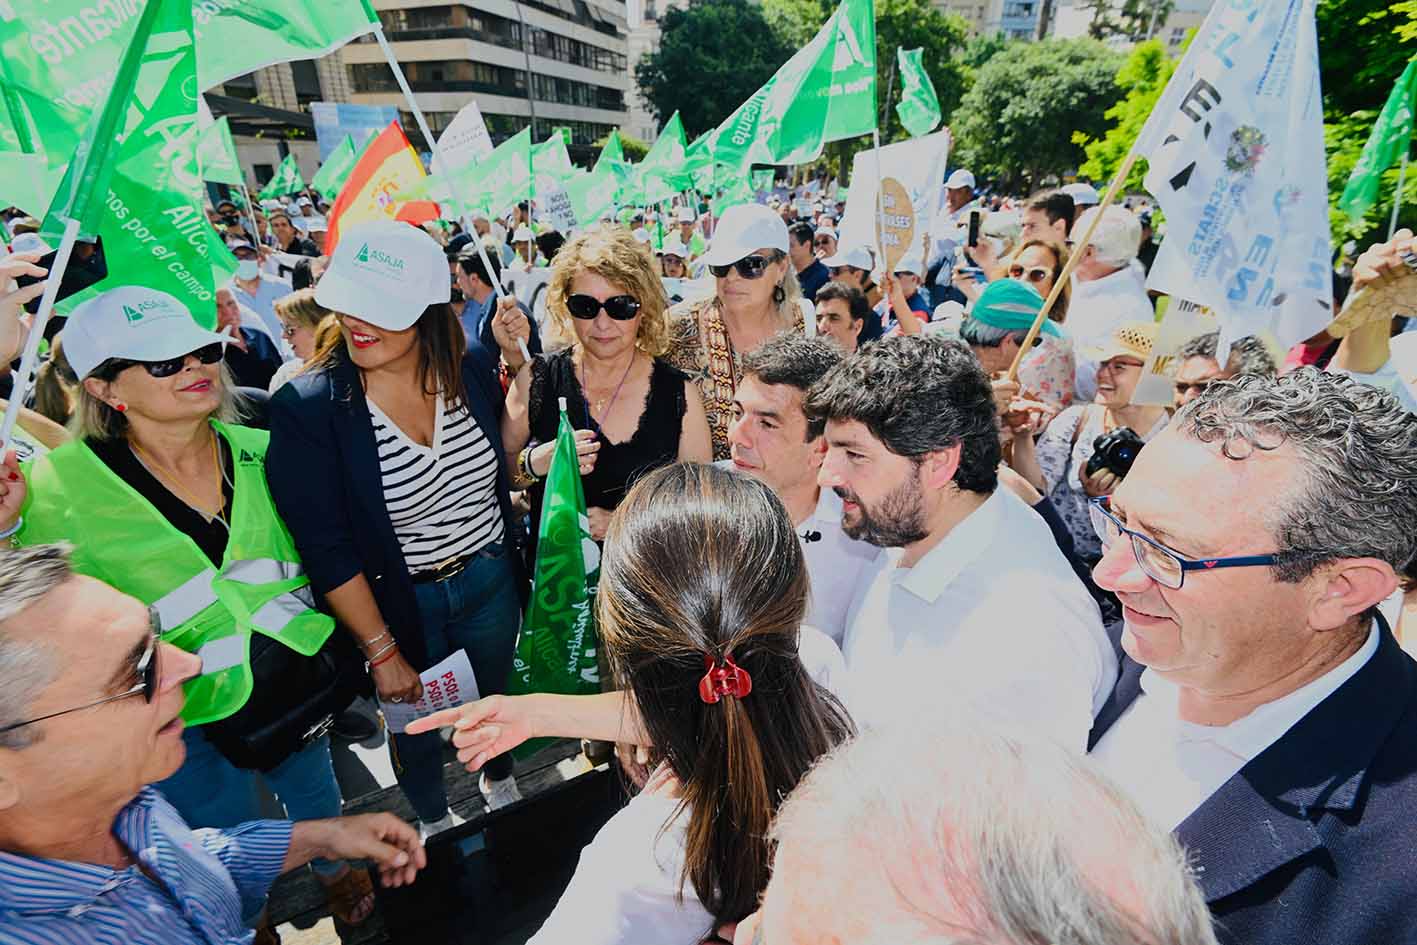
(822,241)
(288,331)
(622,308)
(1158,562)
(1031,273)
(836,271)
(148,671)
(1185,389)
(207,354)
(749,267)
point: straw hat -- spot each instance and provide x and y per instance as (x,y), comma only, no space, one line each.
(1129,339)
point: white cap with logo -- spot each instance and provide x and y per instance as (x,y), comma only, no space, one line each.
(133,323)
(385,273)
(912,264)
(960,178)
(744,229)
(858,257)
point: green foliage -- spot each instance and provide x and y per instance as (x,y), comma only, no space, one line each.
(1019,117)
(633,148)
(713,54)
(980,49)
(1344,137)
(1142,78)
(1363,47)
(1134,20)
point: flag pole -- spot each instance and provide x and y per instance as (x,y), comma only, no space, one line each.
(1397,199)
(251,213)
(29,361)
(438,157)
(1080,246)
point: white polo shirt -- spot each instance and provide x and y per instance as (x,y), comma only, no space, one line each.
(835,564)
(991,620)
(1095,309)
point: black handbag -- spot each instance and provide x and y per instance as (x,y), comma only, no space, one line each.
(294,700)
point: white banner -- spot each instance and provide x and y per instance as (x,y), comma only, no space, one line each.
(919,164)
(554,204)
(1236,154)
(465,141)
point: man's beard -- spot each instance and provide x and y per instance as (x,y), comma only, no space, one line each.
(898,521)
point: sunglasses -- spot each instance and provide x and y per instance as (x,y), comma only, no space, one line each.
(1032,273)
(288,331)
(148,670)
(207,354)
(622,308)
(749,267)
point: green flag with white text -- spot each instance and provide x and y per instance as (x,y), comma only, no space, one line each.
(216,153)
(1390,139)
(503,178)
(287,180)
(336,170)
(919,107)
(663,173)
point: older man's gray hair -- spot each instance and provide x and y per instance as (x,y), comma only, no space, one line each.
(958,836)
(1117,237)
(1248,355)
(1357,495)
(26,575)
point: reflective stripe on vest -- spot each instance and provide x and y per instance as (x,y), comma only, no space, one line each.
(263,571)
(222,654)
(283,608)
(187,600)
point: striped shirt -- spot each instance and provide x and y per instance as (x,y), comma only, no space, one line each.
(442,499)
(205,881)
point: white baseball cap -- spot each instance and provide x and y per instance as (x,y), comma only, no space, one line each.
(960,178)
(674,247)
(134,323)
(641,235)
(523,234)
(687,215)
(303,202)
(858,257)
(317,223)
(912,264)
(743,230)
(385,273)
(1084,195)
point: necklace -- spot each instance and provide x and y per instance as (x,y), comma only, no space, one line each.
(601,407)
(153,466)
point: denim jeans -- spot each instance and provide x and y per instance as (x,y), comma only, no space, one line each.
(477,611)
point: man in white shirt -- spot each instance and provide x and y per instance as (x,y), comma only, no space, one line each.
(972,605)
(257,291)
(1265,712)
(950,228)
(1106,290)
(771,439)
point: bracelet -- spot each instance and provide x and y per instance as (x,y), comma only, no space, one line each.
(13,529)
(524,463)
(368,643)
(392,644)
(381,661)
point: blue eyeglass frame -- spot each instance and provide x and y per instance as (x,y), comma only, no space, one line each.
(1103,503)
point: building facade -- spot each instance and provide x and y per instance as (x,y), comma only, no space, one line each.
(1185,15)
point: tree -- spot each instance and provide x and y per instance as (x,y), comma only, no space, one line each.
(633,148)
(1141,78)
(1019,117)
(1344,137)
(712,55)
(1363,47)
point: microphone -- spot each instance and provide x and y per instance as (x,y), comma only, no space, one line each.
(811,536)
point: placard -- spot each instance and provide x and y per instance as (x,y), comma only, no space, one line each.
(896,230)
(447,685)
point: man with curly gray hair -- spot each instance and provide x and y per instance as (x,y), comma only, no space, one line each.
(1265,712)
(1199,368)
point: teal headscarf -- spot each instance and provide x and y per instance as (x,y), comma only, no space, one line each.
(1011,305)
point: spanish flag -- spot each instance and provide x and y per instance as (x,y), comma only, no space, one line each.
(387,169)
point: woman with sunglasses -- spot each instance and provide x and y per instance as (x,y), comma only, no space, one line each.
(633,413)
(756,296)
(1046,374)
(164,497)
(300,318)
(386,461)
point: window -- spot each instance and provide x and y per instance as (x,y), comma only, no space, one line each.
(242,87)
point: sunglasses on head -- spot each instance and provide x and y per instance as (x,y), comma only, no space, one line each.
(207,354)
(622,308)
(1031,273)
(749,267)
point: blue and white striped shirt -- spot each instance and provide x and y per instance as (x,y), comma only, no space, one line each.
(206,880)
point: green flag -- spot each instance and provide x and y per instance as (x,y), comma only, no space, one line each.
(613,151)
(1390,139)
(26,179)
(503,178)
(662,172)
(216,153)
(287,180)
(918,108)
(763,179)
(556,651)
(592,195)
(551,158)
(735,191)
(336,170)
(135,180)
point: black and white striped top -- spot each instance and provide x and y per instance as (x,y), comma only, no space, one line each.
(442,499)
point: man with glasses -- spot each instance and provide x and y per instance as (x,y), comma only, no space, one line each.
(824,242)
(90,705)
(1265,712)
(1199,369)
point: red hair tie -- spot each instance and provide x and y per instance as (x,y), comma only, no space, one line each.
(730,679)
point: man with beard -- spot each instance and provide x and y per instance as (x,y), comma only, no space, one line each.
(973,606)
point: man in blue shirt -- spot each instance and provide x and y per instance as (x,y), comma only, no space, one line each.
(90,704)
(811,274)
(479,314)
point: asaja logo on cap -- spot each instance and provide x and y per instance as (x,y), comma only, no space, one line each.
(392,264)
(146,311)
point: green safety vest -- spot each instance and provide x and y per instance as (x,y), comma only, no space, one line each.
(120,539)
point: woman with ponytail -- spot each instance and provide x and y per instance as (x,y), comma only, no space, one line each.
(702,593)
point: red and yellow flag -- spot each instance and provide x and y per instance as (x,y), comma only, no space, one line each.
(387,169)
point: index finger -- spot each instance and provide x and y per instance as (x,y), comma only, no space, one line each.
(439,719)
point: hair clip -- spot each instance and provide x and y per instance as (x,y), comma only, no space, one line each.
(730,679)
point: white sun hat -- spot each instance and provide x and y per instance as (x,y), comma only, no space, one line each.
(385,273)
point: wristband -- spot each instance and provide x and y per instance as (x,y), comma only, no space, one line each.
(370,642)
(13,529)
(382,660)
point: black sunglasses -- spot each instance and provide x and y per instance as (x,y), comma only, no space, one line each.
(148,670)
(622,308)
(749,267)
(207,354)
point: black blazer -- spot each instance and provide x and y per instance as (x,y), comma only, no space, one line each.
(1314,842)
(323,470)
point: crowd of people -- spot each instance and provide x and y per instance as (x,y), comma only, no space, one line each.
(929,629)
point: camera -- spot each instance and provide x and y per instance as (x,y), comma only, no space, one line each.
(1115,452)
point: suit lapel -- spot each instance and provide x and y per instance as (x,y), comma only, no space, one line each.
(1122,696)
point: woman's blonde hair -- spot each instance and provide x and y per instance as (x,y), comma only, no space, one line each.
(613,254)
(95,419)
(1059,312)
(300,306)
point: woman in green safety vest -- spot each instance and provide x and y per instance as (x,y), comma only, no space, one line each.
(164,497)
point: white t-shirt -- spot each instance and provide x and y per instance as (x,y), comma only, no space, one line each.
(626,888)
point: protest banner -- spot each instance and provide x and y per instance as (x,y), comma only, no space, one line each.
(918,164)
(896,236)
(1182,321)
(335,121)
(464,142)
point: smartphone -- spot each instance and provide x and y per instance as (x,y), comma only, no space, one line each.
(974,216)
(87,266)
(976,272)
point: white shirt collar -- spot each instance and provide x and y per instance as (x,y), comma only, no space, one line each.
(1248,736)
(828,508)
(957,550)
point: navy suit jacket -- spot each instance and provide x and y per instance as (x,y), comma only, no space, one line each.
(323,469)
(1314,841)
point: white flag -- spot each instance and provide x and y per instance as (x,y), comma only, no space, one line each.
(919,164)
(1236,154)
(465,141)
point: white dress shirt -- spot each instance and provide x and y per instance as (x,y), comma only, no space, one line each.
(992,620)
(1095,309)
(1169,767)
(834,563)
